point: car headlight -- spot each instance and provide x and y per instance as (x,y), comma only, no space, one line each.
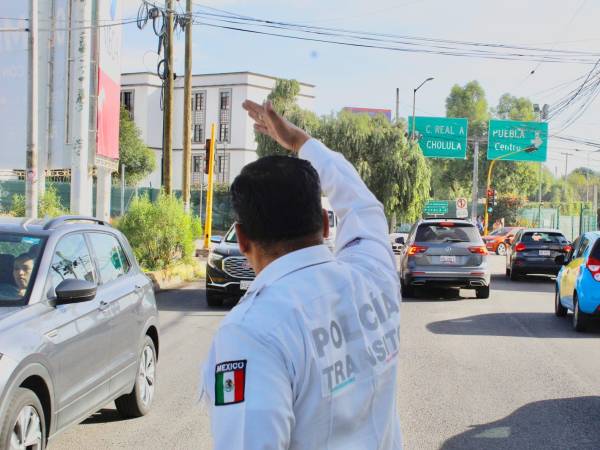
(215,260)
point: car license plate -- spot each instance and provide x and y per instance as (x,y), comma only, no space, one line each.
(544,252)
(444,259)
(245,284)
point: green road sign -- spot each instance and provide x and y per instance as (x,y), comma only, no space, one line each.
(517,141)
(441,137)
(436,208)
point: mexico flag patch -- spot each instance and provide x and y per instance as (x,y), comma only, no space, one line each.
(230,378)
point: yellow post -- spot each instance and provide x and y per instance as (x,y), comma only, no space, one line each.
(487,188)
(209,189)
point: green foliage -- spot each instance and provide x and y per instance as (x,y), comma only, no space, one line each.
(514,108)
(453,178)
(283,98)
(160,233)
(394,171)
(507,208)
(49,204)
(138,159)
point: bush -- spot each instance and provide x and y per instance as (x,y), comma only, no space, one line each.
(161,233)
(49,204)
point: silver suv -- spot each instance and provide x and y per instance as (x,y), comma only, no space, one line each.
(445,253)
(78,327)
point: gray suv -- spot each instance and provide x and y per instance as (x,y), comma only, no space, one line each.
(78,327)
(445,253)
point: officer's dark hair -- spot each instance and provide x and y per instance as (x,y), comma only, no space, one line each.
(277,200)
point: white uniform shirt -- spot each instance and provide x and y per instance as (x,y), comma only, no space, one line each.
(308,358)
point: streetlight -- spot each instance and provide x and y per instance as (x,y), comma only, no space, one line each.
(414,101)
(531,148)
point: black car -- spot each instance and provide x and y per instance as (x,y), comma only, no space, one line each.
(534,251)
(228,273)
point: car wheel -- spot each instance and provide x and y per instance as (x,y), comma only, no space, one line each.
(482,292)
(501,250)
(138,402)
(23,424)
(559,309)
(214,300)
(514,275)
(579,317)
(407,290)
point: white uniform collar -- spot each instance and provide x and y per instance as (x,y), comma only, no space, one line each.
(288,263)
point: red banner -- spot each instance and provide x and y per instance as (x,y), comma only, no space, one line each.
(108,116)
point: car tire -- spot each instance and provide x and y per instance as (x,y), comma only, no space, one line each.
(408,291)
(559,309)
(501,249)
(514,275)
(138,402)
(482,292)
(214,300)
(579,317)
(24,406)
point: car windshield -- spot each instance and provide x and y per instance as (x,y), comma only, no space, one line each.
(450,232)
(539,237)
(500,232)
(19,257)
(231,237)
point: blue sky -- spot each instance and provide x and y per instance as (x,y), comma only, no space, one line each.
(368,78)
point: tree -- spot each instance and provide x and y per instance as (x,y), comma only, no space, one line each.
(453,178)
(515,108)
(138,159)
(283,97)
(395,171)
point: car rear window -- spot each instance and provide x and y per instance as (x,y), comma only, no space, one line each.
(451,232)
(596,250)
(538,237)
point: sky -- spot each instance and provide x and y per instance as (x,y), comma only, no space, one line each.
(346,76)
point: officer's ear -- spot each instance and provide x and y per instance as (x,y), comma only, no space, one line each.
(325,224)
(242,238)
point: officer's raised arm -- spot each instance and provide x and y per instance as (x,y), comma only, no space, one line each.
(361,216)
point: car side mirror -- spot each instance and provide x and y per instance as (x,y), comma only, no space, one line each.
(216,239)
(74,291)
(400,240)
(561,260)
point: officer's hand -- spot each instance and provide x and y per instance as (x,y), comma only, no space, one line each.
(271,124)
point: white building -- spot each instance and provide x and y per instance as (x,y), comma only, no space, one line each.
(216,98)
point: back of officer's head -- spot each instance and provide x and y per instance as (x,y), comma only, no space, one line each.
(277,201)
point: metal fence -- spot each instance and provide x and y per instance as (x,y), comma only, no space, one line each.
(222,209)
(572,224)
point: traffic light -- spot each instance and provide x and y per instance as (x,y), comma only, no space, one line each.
(491,198)
(207,158)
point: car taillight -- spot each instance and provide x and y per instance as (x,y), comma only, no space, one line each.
(593,265)
(567,248)
(479,250)
(520,247)
(447,224)
(414,249)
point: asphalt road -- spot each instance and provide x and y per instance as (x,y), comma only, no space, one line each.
(501,373)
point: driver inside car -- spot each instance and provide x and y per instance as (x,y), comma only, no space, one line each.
(21,272)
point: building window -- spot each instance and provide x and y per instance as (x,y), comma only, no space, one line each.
(225,116)
(197,164)
(127,102)
(198,116)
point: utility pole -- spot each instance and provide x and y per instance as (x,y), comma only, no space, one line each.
(187,109)
(209,189)
(31,177)
(397,104)
(168,111)
(475,192)
(81,183)
(566,163)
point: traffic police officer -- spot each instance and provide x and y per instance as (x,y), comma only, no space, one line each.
(308,358)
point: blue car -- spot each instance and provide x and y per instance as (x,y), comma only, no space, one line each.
(578,282)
